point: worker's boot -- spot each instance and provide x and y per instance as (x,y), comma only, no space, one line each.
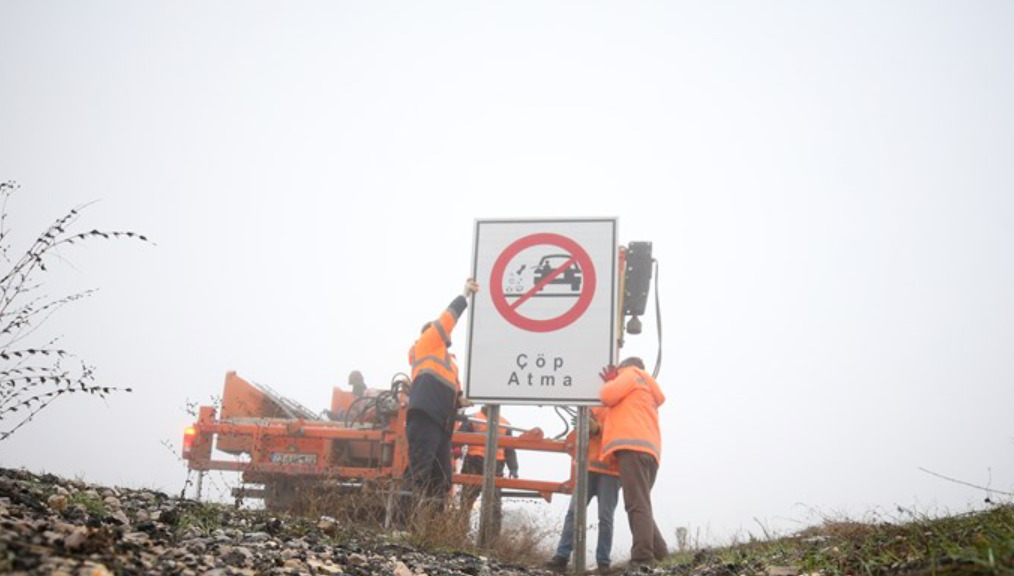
(604,569)
(557,564)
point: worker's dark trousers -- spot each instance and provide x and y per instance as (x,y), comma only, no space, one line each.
(429,458)
(469,494)
(637,476)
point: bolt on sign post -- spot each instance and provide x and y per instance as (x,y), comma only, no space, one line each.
(543,325)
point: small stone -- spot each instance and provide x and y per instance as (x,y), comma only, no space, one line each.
(57,502)
(120,517)
(323,567)
(135,537)
(357,559)
(93,569)
(401,570)
(237,556)
(76,539)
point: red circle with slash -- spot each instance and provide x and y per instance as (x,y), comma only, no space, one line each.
(510,310)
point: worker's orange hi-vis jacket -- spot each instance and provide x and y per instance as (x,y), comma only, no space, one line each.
(633,398)
(481,428)
(435,384)
(596,461)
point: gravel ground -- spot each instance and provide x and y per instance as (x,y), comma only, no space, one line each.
(51,525)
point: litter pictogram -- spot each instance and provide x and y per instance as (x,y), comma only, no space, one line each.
(549,284)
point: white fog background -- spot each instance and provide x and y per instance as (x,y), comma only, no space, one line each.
(828,187)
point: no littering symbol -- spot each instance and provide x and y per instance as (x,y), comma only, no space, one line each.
(563,275)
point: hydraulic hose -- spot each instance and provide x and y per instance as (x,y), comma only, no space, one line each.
(570,413)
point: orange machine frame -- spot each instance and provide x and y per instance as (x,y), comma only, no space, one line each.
(284,448)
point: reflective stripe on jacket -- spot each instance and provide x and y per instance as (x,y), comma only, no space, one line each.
(435,384)
(633,398)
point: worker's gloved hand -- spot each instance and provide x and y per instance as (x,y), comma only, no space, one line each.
(456,452)
(513,474)
(471,287)
(609,373)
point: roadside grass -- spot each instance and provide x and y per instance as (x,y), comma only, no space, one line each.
(433,528)
(92,503)
(427,526)
(915,544)
(525,539)
(205,517)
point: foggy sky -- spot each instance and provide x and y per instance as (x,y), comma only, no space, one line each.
(827,187)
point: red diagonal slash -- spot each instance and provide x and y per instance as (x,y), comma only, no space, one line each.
(549,278)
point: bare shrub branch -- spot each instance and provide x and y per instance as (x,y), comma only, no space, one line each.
(33,377)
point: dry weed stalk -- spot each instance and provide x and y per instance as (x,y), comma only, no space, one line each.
(33,377)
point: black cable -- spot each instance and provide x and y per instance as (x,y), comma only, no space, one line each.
(400,380)
(350,411)
(379,414)
(658,322)
(566,421)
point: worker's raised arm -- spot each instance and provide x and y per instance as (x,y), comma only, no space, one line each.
(616,389)
(440,330)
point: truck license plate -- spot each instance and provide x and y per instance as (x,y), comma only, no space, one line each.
(293,458)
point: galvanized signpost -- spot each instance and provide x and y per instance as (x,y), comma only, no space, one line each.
(541,329)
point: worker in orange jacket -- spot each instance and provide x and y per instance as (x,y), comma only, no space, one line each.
(433,402)
(604,486)
(631,438)
(475,459)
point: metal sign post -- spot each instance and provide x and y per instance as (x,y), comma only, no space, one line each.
(581,489)
(486,509)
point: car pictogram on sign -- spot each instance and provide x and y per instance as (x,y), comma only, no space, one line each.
(526,277)
(571,275)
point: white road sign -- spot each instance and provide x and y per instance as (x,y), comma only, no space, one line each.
(543,323)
